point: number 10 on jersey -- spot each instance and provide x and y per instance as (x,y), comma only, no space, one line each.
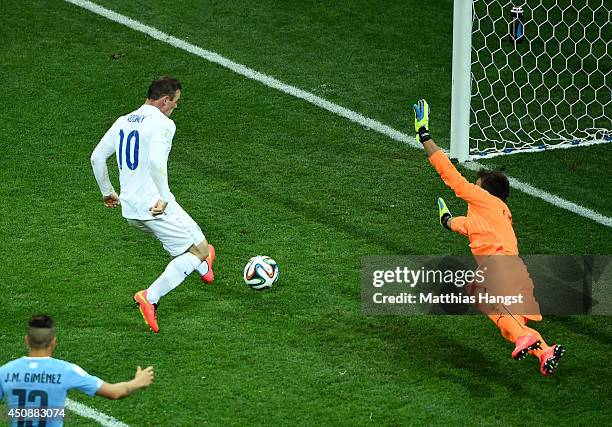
(131,153)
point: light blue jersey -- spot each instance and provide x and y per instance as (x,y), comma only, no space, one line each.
(42,382)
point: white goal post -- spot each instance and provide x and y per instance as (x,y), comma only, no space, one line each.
(530,75)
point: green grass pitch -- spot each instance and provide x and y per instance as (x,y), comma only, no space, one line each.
(265,173)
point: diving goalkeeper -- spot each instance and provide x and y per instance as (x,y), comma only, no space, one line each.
(488,226)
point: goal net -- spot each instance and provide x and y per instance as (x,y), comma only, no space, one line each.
(539,76)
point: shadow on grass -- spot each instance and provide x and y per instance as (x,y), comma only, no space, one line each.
(420,346)
(577,325)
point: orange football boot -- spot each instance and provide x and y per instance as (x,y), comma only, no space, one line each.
(550,358)
(148,310)
(524,344)
(210,276)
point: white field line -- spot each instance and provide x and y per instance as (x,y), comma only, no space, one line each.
(320,102)
(87,412)
(245,71)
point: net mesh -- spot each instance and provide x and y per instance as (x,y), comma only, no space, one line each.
(551,90)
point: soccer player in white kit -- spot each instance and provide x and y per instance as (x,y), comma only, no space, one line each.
(141,142)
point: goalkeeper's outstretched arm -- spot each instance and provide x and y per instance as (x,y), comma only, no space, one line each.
(430,147)
(465,190)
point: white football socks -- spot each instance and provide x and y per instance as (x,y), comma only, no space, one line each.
(202,268)
(174,274)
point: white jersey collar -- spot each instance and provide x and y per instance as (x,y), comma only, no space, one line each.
(149,107)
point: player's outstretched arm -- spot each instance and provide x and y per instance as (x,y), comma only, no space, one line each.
(142,379)
(447,171)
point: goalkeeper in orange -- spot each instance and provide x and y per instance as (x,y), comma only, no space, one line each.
(488,226)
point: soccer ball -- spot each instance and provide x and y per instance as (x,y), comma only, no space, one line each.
(260,272)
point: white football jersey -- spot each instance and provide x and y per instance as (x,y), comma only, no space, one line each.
(141,142)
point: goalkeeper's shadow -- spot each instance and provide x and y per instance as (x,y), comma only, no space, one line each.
(464,362)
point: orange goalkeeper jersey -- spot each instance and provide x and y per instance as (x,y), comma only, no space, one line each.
(488,223)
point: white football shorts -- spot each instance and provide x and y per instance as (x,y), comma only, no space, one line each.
(175,229)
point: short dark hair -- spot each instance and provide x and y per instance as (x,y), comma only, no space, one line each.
(40,331)
(163,86)
(495,182)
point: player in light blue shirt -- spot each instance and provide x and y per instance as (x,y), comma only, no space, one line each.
(36,386)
